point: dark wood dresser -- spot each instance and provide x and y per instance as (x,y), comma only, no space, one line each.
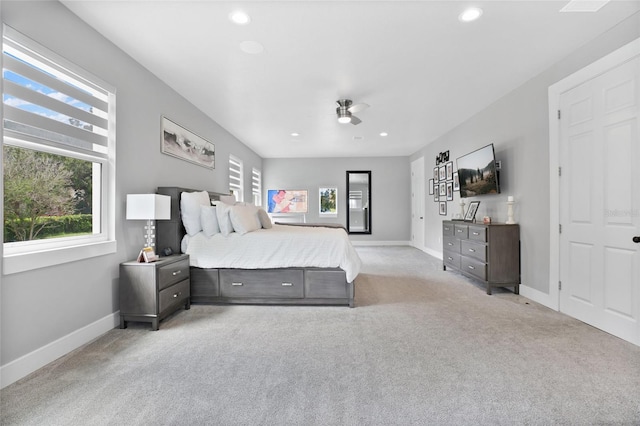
(489,253)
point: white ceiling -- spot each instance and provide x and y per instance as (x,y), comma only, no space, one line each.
(421,70)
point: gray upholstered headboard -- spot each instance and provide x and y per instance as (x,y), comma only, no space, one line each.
(169,233)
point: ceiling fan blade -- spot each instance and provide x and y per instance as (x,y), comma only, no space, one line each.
(355,120)
(357,107)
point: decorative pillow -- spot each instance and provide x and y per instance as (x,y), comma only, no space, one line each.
(190,203)
(209,220)
(244,219)
(228,199)
(265,220)
(224,221)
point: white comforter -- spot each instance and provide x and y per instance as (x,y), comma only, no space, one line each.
(281,246)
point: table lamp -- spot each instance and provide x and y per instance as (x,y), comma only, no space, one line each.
(149,207)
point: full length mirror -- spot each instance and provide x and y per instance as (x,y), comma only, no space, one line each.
(359,202)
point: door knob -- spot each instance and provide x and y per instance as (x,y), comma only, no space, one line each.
(636,239)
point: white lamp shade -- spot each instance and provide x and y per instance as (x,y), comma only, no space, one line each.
(148,207)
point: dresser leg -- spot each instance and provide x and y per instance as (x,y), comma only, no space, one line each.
(187,304)
(123,323)
(154,324)
(488,289)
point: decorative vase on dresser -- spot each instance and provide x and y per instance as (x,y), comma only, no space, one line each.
(488,253)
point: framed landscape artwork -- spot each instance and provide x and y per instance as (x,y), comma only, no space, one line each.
(186,145)
(328,201)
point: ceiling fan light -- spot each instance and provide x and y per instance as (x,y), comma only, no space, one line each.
(344,119)
(344,116)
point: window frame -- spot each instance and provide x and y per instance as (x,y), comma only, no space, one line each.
(28,255)
(236,177)
(256,186)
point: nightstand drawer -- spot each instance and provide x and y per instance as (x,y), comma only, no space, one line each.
(173,273)
(173,295)
(475,250)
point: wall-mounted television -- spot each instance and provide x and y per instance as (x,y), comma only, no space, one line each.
(477,173)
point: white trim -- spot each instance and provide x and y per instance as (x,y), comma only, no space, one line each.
(27,364)
(435,253)
(538,297)
(380,243)
(14,263)
(599,67)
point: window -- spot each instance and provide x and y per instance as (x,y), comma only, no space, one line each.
(256,186)
(58,158)
(236,180)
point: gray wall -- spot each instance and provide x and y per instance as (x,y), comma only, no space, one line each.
(41,306)
(390,195)
(518,126)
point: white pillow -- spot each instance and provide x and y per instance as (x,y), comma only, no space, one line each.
(228,199)
(209,220)
(224,222)
(265,220)
(190,203)
(244,218)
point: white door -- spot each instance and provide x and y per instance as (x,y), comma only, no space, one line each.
(600,201)
(417,203)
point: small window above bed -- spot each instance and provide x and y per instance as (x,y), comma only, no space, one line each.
(236,177)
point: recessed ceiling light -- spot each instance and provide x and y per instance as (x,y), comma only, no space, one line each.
(251,47)
(239,18)
(295,135)
(383,134)
(470,14)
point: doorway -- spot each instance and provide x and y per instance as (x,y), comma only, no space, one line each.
(417,203)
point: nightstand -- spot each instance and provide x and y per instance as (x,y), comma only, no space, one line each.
(150,292)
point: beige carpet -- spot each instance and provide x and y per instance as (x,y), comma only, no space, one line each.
(422,346)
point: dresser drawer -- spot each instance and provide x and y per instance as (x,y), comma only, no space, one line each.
(447,230)
(173,295)
(461,231)
(473,249)
(473,267)
(477,233)
(172,273)
(278,283)
(451,259)
(451,244)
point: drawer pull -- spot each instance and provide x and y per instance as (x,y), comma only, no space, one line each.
(472,250)
(449,244)
(175,295)
(236,284)
(460,230)
(287,284)
(449,257)
(446,229)
(178,272)
(476,233)
(472,267)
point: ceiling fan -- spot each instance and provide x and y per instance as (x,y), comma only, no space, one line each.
(345,109)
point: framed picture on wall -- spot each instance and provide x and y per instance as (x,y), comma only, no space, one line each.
(443,208)
(186,145)
(328,201)
(286,201)
(450,170)
(442,173)
(456,182)
(436,174)
(443,189)
(430,186)
(449,191)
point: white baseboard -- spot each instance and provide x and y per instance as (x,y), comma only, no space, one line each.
(435,253)
(27,364)
(538,297)
(381,243)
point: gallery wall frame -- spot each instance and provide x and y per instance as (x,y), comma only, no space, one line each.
(182,143)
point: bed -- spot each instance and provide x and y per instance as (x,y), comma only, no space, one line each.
(263,266)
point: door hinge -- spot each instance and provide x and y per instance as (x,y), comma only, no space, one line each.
(559,171)
(559,285)
(560,228)
(558,114)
